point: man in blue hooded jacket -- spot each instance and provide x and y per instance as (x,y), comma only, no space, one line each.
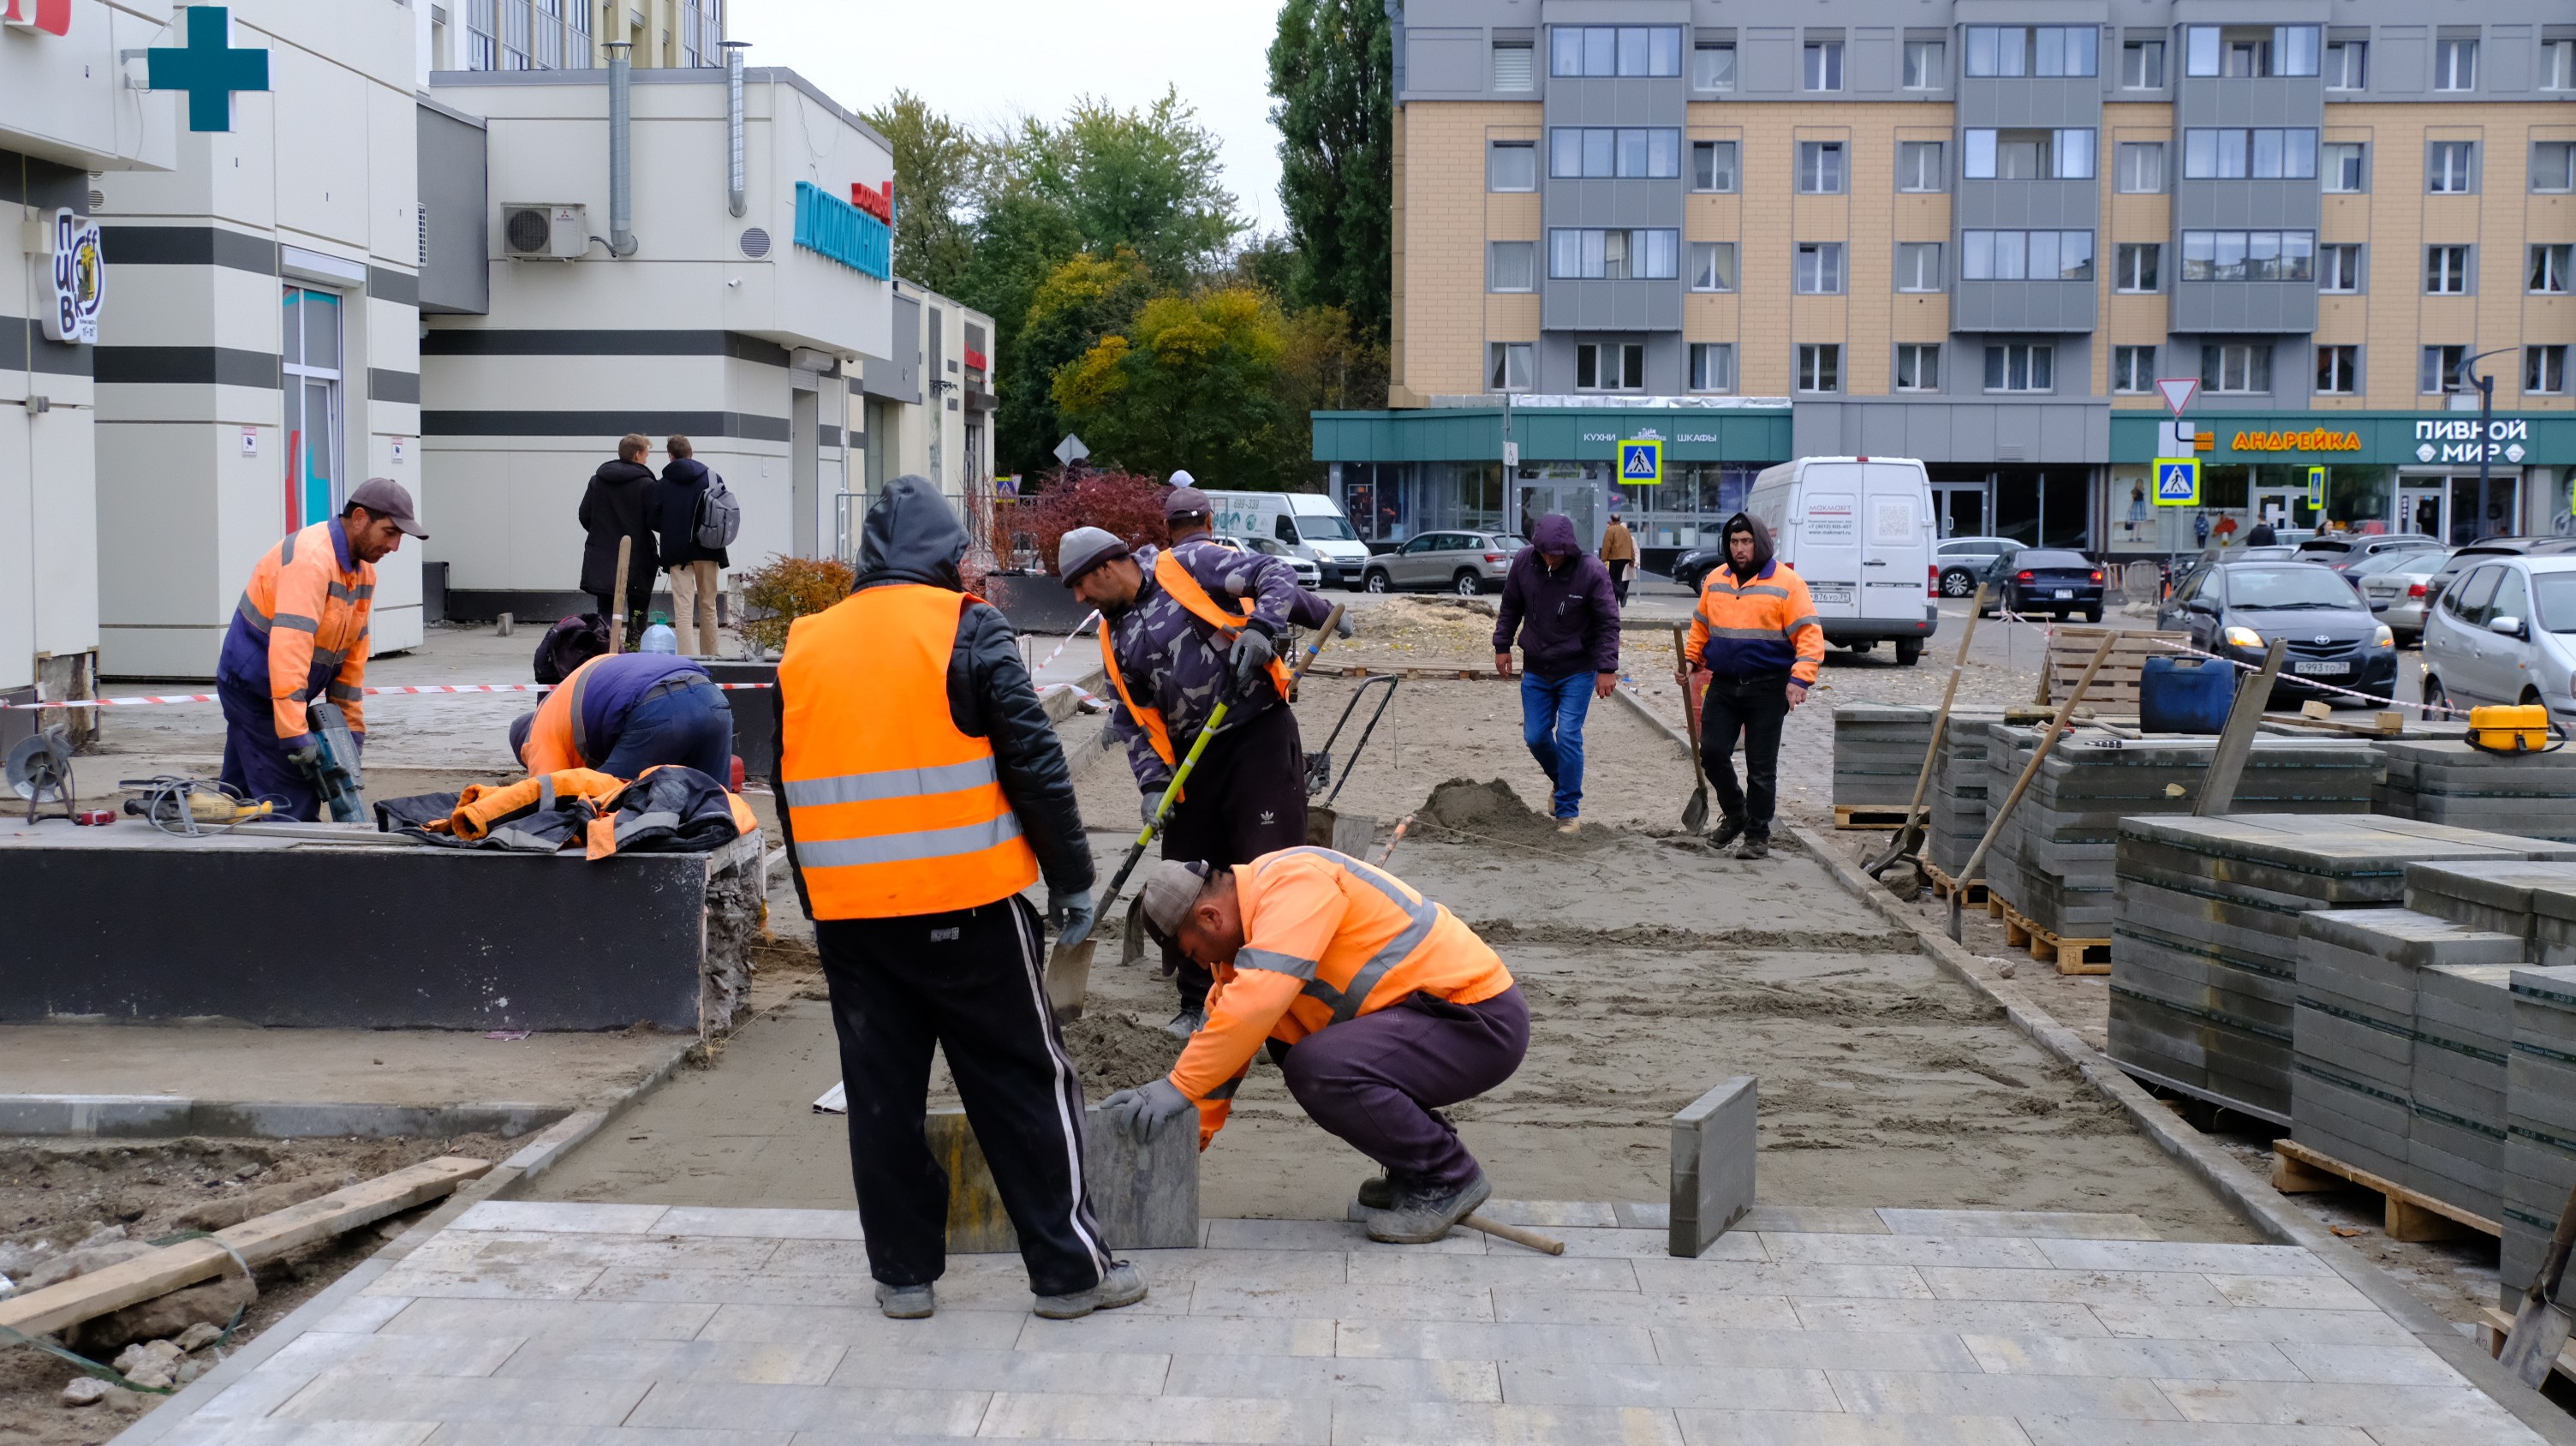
(1558,602)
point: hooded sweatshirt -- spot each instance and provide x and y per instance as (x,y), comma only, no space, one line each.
(1756,621)
(1563,613)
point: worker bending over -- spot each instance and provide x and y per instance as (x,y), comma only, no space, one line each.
(622,713)
(1755,645)
(922,789)
(1378,1004)
(299,636)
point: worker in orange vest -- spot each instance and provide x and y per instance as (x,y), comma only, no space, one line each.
(1379,1006)
(1754,646)
(922,788)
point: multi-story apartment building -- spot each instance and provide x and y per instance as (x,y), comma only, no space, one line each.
(1979,232)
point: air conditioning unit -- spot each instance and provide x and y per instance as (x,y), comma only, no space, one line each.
(532,232)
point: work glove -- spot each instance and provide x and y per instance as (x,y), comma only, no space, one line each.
(1070,915)
(304,750)
(1150,805)
(1342,627)
(1253,653)
(1142,1110)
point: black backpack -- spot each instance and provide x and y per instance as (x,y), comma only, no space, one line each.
(567,645)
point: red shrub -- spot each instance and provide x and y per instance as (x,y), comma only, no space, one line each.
(1129,504)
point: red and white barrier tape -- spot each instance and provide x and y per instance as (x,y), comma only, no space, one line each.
(155,699)
(2049,629)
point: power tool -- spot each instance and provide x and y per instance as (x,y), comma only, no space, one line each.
(333,767)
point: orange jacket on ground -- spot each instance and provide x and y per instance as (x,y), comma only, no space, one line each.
(481,806)
(306,610)
(1767,625)
(891,810)
(1173,577)
(1326,938)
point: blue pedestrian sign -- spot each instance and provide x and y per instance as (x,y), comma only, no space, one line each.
(2177,481)
(1641,464)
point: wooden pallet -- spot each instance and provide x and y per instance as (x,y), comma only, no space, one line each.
(1860,816)
(2494,1325)
(2115,687)
(1942,884)
(2071,956)
(2412,1215)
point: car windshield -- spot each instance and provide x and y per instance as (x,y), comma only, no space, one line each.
(1509,542)
(1271,546)
(2032,557)
(2298,586)
(2267,554)
(1323,526)
(2554,599)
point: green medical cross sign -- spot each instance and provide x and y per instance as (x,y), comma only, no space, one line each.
(208,68)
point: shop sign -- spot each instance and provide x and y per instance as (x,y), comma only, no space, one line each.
(2314,439)
(2456,439)
(51,16)
(831,227)
(209,68)
(876,202)
(79,279)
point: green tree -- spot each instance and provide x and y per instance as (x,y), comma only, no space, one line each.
(1083,299)
(1332,68)
(1192,383)
(937,172)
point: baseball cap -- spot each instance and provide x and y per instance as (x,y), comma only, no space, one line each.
(1168,893)
(389,499)
(1083,549)
(1184,500)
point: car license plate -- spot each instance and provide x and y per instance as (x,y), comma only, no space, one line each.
(2066,592)
(1833,594)
(2321,670)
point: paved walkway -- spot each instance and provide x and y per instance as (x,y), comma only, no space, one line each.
(539,1324)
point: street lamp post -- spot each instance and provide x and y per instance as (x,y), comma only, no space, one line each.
(2486,428)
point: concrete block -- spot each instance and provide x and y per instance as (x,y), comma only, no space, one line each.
(1146,1196)
(1713,1147)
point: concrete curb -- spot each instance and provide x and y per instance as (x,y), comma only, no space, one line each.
(2259,1204)
(163,1117)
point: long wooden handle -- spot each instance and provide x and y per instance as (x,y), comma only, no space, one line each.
(617,600)
(2038,756)
(1515,1235)
(2544,1286)
(1941,720)
(1690,704)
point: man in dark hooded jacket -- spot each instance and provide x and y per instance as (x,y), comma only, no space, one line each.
(1558,602)
(617,505)
(1756,646)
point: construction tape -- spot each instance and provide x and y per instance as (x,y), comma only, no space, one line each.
(2049,629)
(422,689)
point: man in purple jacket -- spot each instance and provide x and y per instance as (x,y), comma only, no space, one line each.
(1557,602)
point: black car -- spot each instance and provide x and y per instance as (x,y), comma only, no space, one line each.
(2048,580)
(2235,609)
(1694,565)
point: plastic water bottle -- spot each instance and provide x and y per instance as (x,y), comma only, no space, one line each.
(659,639)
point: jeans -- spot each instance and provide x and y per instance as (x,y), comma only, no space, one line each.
(693,599)
(1552,714)
(1753,708)
(691,726)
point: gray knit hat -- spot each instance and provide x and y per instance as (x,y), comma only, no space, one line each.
(1083,549)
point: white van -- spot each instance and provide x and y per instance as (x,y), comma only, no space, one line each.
(1860,531)
(1310,524)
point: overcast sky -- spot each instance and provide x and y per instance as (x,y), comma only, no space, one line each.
(988,61)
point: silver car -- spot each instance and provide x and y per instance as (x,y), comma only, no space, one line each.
(2396,584)
(1309,576)
(2504,632)
(1963,560)
(1465,563)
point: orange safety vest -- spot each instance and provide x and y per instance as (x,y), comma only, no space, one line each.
(1176,580)
(314,617)
(891,810)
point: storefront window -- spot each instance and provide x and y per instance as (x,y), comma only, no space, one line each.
(2357,498)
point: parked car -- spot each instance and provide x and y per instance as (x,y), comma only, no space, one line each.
(1313,527)
(2341,549)
(2395,585)
(2284,552)
(1465,563)
(1309,576)
(1692,567)
(2048,580)
(1959,562)
(2468,556)
(2235,609)
(2504,633)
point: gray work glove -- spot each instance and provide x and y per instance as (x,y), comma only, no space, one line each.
(1151,804)
(304,750)
(1142,1110)
(1253,653)
(1070,915)
(1342,627)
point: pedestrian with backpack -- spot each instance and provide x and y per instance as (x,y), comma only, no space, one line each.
(694,517)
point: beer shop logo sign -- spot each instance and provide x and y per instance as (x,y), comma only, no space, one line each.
(79,279)
(2458,439)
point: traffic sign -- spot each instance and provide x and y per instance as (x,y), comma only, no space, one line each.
(2178,391)
(1641,464)
(2177,481)
(2316,489)
(1071,450)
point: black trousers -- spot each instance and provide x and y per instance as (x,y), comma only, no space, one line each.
(972,983)
(1753,709)
(1246,798)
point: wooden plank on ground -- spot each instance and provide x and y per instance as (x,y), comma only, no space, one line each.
(265,1237)
(2494,1326)
(2410,1215)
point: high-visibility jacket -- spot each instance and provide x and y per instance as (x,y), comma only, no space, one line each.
(1326,939)
(301,628)
(482,807)
(1174,578)
(891,810)
(1764,626)
(565,732)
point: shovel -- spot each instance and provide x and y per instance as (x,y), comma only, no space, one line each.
(2540,1327)
(1695,812)
(1068,977)
(1908,844)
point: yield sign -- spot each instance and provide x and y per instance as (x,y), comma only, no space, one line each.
(2178,391)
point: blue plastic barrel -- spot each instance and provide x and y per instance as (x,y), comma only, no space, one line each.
(2184,695)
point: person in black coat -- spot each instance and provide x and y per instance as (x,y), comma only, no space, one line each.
(614,507)
(693,568)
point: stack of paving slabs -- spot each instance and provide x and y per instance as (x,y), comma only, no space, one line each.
(1878,753)
(2540,1119)
(2443,781)
(2206,934)
(1958,804)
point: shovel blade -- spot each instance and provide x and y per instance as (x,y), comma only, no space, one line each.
(1068,979)
(1695,812)
(2539,1334)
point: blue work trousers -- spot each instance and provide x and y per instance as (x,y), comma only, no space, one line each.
(1552,714)
(255,761)
(692,726)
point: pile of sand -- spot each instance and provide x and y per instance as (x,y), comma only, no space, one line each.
(1119,1051)
(1464,810)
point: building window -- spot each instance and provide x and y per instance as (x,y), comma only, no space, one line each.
(2141,167)
(2228,154)
(2250,51)
(1610,367)
(1820,268)
(1918,166)
(1713,65)
(2553,167)
(2446,270)
(2440,372)
(1712,266)
(2134,265)
(2249,255)
(2032,49)
(1918,265)
(311,362)
(2029,155)
(1820,367)
(1513,265)
(1616,50)
(2020,367)
(1712,366)
(2338,370)
(2549,269)
(2339,267)
(1509,364)
(2450,168)
(2455,65)
(2348,65)
(2544,369)
(1918,367)
(1820,168)
(482,35)
(2343,167)
(1511,166)
(2142,65)
(1824,65)
(2026,256)
(1713,165)
(547,33)
(2237,368)
(2133,369)
(1625,152)
(1513,69)
(1588,253)
(2558,65)
(1926,65)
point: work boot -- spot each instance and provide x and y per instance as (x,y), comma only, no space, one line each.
(1569,825)
(1121,1286)
(1422,1214)
(1377,1192)
(1728,830)
(1755,846)
(1185,1023)
(905,1302)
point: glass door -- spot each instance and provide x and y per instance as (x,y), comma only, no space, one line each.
(1579,501)
(2419,506)
(2493,515)
(310,351)
(1961,509)
(2284,507)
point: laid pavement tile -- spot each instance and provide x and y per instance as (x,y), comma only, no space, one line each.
(2094,1431)
(1251,1267)
(2243,1323)
(2294,1292)
(1325,1235)
(764,1222)
(561,1215)
(1339,1302)
(1527,1270)
(363,1314)
(255,1395)
(349,1396)
(1459,1340)
(862,1326)
(1611,1383)
(201,1430)
(1645,1308)
(666,1252)
(2412,1364)
(1334,1378)
(1994,1317)
(1951,1393)
(2082,1287)
(1948,1250)
(2451,1408)
(318,1350)
(727,1405)
(2024,1355)
(1427,1423)
(1213,1419)
(508,1280)
(2027,1224)
(1812,1220)
(596,1319)
(1819,1349)
(1083,1371)
(2206,1257)
(1858,1282)
(1196,1335)
(766,1363)
(487,1433)
(1808,1428)
(1563,1213)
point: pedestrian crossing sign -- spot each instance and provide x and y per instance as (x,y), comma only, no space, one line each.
(1641,464)
(2177,481)
(2317,489)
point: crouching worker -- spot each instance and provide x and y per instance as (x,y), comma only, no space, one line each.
(623,713)
(1379,1005)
